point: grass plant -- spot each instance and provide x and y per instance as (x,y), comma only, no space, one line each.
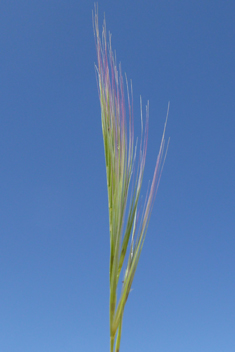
(125,164)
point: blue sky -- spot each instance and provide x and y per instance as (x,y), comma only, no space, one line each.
(54,239)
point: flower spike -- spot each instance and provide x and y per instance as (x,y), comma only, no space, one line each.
(127,228)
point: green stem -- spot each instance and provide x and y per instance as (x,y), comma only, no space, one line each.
(112,338)
(117,347)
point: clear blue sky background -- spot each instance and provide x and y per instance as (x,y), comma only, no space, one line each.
(54,239)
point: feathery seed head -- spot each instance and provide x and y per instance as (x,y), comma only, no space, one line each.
(120,155)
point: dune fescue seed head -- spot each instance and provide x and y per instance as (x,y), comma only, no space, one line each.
(127,227)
